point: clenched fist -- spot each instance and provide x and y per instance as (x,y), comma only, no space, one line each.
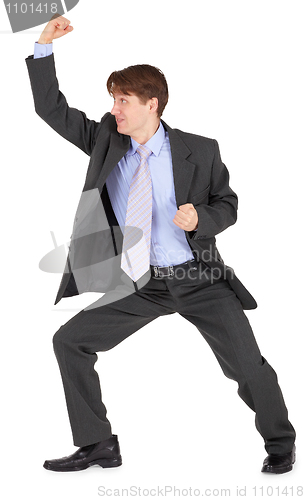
(186,217)
(55,29)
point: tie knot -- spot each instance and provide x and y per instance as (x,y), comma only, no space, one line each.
(144,152)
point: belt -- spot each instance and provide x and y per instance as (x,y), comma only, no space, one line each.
(167,271)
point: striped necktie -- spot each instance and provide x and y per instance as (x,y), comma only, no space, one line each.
(136,255)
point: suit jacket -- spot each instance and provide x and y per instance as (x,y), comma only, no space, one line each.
(200,177)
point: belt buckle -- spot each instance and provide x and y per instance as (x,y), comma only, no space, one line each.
(156,272)
(160,274)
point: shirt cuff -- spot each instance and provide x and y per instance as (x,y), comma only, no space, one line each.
(42,49)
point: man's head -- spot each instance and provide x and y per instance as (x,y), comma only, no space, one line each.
(140,95)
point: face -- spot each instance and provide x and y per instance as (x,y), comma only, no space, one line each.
(133,117)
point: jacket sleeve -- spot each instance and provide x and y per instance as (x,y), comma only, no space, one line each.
(51,105)
(219,210)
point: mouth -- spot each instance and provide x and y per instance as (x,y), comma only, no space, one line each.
(119,120)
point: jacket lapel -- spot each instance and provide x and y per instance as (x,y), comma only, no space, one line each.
(183,170)
(118,147)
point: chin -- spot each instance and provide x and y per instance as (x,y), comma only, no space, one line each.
(122,129)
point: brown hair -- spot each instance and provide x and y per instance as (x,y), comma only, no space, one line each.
(142,80)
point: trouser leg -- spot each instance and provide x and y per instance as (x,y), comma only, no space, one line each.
(75,346)
(218,315)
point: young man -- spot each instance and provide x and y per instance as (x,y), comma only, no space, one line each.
(165,195)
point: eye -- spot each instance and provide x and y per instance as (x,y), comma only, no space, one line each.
(123,101)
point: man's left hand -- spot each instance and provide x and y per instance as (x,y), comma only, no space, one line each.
(186,217)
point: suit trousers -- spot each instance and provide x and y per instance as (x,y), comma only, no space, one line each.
(213,307)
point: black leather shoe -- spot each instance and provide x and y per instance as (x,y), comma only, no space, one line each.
(278,464)
(105,453)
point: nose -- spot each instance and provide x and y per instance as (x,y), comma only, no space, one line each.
(115,110)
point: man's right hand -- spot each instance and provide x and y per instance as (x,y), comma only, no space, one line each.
(55,28)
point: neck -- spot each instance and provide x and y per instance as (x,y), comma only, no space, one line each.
(142,136)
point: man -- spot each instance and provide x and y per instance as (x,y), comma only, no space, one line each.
(165,195)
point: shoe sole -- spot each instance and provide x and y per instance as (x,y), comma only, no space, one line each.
(104,462)
(278,471)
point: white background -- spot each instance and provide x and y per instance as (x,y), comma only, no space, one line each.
(235,71)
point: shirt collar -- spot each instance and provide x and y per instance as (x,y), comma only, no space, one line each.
(154,143)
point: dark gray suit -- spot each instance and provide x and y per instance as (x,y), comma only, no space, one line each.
(216,309)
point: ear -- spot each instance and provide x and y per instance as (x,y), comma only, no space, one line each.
(153,106)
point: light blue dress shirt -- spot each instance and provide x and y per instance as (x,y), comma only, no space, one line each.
(42,50)
(169,245)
